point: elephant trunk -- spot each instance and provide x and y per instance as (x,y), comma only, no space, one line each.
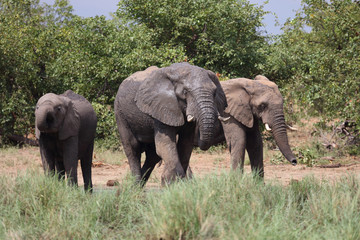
(206,117)
(278,127)
(45,119)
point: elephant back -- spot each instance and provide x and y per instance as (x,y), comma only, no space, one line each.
(83,109)
(141,75)
(73,96)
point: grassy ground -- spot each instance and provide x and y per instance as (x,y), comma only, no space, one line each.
(303,202)
(229,206)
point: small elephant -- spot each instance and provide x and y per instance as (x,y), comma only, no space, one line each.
(250,101)
(65,126)
(157,111)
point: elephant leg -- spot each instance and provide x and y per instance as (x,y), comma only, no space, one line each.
(237,153)
(235,135)
(254,147)
(70,159)
(185,146)
(150,162)
(60,168)
(189,173)
(86,162)
(132,148)
(47,152)
(165,142)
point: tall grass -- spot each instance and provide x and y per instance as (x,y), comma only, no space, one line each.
(39,207)
(229,206)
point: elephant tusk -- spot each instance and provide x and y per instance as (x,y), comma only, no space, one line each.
(190,118)
(224,119)
(291,128)
(267,127)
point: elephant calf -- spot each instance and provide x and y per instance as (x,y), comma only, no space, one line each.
(65,126)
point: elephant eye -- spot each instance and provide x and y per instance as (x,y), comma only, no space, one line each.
(262,106)
(59,108)
(185,91)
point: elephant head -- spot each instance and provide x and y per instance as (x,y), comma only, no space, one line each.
(262,99)
(184,93)
(56,114)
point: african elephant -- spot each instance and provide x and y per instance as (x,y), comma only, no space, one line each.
(65,126)
(157,111)
(250,101)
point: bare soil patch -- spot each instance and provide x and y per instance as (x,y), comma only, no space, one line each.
(19,160)
(113,167)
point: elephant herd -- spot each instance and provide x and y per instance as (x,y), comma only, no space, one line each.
(164,112)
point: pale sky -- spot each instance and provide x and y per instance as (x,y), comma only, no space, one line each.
(282,8)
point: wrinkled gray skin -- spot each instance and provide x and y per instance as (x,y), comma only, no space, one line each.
(65,126)
(250,101)
(157,111)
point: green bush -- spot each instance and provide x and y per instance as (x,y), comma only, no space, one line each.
(219,35)
(320,63)
(106,131)
(49,49)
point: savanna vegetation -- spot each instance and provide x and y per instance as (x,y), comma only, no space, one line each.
(229,206)
(47,48)
(315,62)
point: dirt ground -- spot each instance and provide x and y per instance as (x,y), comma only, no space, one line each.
(201,164)
(114,167)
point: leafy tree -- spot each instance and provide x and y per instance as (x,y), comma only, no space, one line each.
(220,35)
(49,49)
(321,67)
(100,53)
(28,37)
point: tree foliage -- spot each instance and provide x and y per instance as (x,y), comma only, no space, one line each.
(47,48)
(320,68)
(220,35)
(28,42)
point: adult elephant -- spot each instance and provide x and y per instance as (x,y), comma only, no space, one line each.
(157,111)
(249,102)
(65,126)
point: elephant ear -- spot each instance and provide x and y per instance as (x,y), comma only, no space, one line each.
(71,124)
(238,102)
(156,97)
(220,98)
(261,77)
(264,80)
(37,132)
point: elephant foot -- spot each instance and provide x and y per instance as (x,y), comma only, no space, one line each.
(170,176)
(258,173)
(189,173)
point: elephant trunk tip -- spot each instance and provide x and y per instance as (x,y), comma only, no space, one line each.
(50,119)
(293,161)
(203,145)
